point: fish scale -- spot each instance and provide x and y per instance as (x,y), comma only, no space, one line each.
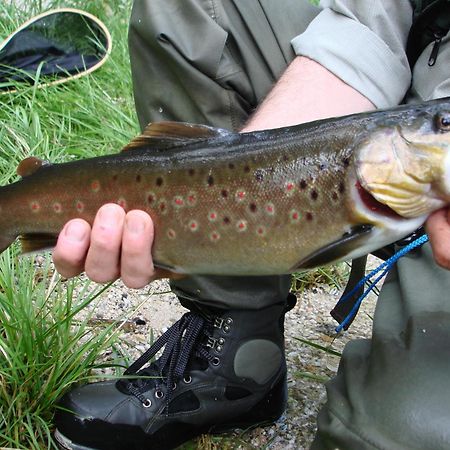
(266,202)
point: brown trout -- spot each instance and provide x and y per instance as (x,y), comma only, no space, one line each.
(266,202)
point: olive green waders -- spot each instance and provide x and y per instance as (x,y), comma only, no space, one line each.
(213,62)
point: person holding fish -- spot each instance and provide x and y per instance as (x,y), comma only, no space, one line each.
(248,66)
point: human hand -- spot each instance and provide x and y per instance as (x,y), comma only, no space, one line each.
(438,229)
(118,245)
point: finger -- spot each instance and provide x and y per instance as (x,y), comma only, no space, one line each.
(136,266)
(438,229)
(71,248)
(103,258)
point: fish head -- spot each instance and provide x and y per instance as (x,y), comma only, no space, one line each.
(405,164)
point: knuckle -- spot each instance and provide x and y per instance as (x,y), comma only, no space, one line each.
(103,242)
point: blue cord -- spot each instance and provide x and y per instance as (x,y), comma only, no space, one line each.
(384,269)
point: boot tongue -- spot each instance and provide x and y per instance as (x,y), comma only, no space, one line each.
(146,379)
(179,343)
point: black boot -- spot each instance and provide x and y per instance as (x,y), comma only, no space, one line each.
(220,370)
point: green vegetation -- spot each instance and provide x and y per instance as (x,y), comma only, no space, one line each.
(42,352)
(42,349)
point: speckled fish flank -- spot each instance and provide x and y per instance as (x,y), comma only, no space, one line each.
(256,203)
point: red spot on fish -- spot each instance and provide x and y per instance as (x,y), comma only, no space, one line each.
(162,207)
(191,199)
(35,207)
(178,201)
(270,209)
(151,198)
(294,216)
(193,225)
(240,195)
(79,206)
(241,225)
(290,187)
(261,231)
(212,216)
(95,186)
(57,208)
(214,236)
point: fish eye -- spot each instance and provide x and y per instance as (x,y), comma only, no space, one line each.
(443,121)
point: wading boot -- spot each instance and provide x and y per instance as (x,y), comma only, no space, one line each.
(219,370)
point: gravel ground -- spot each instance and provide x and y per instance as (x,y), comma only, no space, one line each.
(152,311)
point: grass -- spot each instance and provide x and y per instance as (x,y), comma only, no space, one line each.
(42,350)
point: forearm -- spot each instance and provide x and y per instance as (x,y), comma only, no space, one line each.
(306,91)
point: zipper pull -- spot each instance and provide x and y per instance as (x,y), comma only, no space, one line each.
(435,49)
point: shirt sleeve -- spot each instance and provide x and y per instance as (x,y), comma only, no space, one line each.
(363,43)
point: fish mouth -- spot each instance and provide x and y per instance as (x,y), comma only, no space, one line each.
(373,205)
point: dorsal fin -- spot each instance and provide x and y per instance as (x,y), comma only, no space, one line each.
(30,165)
(167,134)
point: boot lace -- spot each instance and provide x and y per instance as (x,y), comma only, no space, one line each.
(181,341)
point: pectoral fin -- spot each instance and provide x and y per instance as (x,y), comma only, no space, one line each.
(337,250)
(35,242)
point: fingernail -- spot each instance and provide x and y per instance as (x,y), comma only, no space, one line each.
(109,217)
(75,232)
(135,225)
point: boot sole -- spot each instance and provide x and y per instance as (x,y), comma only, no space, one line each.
(273,405)
(66,444)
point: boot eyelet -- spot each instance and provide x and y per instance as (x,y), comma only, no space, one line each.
(215,361)
(147,403)
(187,380)
(159,394)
